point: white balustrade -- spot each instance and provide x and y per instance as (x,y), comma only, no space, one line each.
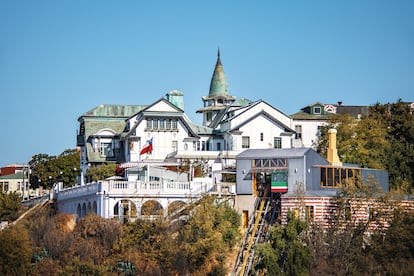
(134,188)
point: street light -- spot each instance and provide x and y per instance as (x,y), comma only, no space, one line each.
(76,175)
(26,169)
(60,179)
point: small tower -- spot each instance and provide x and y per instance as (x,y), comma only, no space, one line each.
(218,97)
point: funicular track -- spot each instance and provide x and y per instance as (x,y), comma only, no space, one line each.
(266,212)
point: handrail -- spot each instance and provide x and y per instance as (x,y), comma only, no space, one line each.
(245,239)
(257,238)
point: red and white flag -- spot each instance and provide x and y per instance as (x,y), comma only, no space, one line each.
(147,148)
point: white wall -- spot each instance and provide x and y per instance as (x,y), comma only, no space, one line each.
(254,128)
(309,130)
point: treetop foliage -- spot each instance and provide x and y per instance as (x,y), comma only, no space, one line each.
(382,140)
(46,170)
(10,205)
(47,244)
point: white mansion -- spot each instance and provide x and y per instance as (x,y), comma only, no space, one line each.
(118,133)
(151,143)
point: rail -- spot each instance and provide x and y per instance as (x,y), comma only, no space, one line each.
(251,237)
(266,213)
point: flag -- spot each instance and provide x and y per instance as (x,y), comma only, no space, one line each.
(147,148)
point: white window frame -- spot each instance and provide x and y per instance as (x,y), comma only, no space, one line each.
(277,142)
(245,142)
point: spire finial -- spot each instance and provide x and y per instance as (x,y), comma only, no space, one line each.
(218,56)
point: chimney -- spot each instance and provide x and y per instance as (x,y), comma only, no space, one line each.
(176,98)
(333,158)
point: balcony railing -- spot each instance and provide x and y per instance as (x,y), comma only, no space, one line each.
(134,188)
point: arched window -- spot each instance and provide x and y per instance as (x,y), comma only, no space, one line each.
(94,208)
(83,213)
(89,207)
(78,211)
(151,208)
(125,210)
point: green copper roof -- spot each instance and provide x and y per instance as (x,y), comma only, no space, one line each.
(242,102)
(112,110)
(18,175)
(218,84)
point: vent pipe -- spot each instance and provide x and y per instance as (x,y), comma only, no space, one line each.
(333,157)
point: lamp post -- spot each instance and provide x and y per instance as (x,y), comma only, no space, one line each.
(22,187)
(26,169)
(60,180)
(76,176)
(39,187)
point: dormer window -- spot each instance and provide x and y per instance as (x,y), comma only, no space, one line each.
(317,110)
(106,149)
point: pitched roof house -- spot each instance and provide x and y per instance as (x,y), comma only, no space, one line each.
(117,133)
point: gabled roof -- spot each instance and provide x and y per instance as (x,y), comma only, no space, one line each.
(301,115)
(171,111)
(248,107)
(306,112)
(251,104)
(272,153)
(171,106)
(264,113)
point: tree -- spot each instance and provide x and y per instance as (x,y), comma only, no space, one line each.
(344,247)
(40,172)
(201,237)
(149,244)
(10,205)
(394,249)
(285,253)
(101,172)
(95,237)
(209,233)
(83,267)
(401,157)
(363,142)
(382,140)
(15,251)
(58,238)
(46,169)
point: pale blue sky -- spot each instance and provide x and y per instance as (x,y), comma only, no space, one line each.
(59,59)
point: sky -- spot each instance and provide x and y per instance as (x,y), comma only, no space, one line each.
(60,59)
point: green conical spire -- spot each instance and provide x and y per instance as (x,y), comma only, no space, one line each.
(218,84)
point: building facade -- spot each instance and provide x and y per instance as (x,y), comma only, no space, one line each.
(309,120)
(118,133)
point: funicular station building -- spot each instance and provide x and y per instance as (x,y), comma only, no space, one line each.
(301,180)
